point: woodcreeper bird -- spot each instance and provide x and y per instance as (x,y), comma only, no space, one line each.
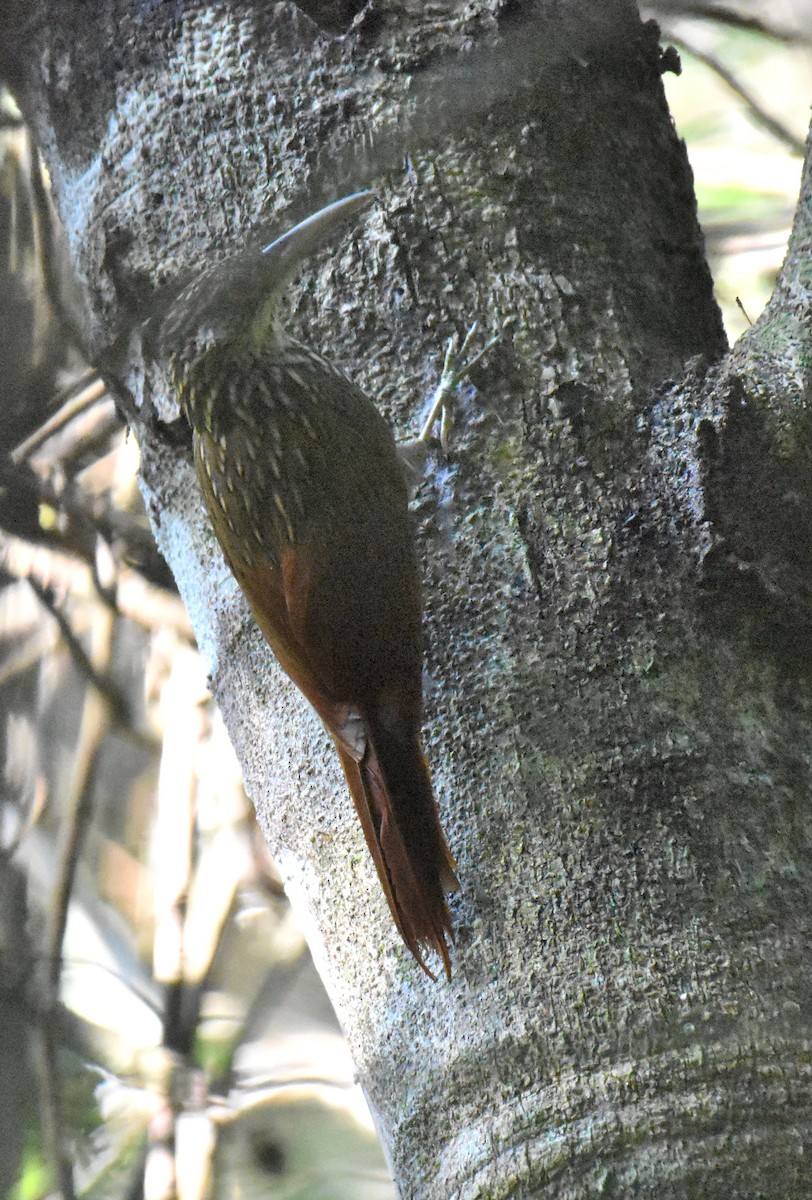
(307,496)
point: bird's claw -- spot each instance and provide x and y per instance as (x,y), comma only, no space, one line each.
(455,368)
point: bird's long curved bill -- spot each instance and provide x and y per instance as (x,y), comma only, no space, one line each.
(292,248)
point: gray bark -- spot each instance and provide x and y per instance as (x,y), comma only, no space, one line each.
(616,561)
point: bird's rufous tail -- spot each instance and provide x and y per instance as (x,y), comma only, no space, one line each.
(391,789)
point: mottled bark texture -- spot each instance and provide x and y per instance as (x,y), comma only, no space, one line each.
(616,553)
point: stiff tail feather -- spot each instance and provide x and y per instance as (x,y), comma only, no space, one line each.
(391,790)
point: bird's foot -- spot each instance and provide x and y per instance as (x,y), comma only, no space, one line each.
(455,368)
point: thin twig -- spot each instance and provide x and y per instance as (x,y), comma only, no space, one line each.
(92,391)
(45,1054)
(93,729)
(81,521)
(743,310)
(116,702)
(736,20)
(757,112)
(145,603)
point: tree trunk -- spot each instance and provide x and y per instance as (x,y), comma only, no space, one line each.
(616,557)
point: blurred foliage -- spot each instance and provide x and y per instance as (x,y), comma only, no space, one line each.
(736,82)
(162,1029)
